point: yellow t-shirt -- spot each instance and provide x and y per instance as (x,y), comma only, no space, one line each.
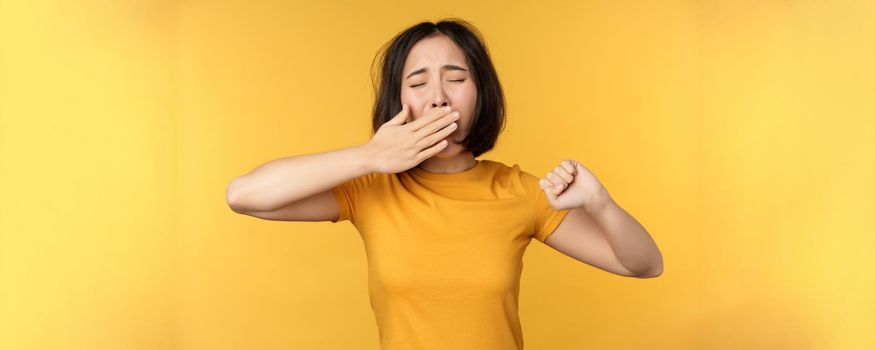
(444,252)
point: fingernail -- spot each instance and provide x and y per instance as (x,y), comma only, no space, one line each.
(447,109)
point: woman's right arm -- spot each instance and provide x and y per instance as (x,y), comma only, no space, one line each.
(299,188)
(274,185)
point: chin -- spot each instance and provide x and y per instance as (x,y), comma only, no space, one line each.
(452,150)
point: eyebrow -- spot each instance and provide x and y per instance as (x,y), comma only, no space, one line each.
(446,66)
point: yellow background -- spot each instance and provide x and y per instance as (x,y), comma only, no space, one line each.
(740,133)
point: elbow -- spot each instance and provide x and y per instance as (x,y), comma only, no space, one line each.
(232,196)
(652,273)
(649,275)
(655,268)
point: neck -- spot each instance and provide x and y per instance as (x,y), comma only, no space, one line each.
(463,161)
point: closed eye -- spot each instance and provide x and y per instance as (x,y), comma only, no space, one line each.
(455,81)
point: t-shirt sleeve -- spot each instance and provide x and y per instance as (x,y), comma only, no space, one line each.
(348,194)
(546,219)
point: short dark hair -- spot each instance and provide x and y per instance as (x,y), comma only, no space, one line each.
(489,112)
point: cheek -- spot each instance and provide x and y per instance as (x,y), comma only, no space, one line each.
(415,103)
(468,110)
(466,123)
(465,99)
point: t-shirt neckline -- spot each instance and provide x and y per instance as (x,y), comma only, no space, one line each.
(466,174)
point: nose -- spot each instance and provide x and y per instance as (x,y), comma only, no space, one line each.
(438,104)
(439,97)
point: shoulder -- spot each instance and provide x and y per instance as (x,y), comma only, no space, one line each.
(359,184)
(515,174)
(514,169)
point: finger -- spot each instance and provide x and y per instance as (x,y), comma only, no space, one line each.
(430,117)
(428,152)
(557,181)
(437,136)
(559,170)
(433,120)
(569,166)
(550,182)
(436,125)
(401,117)
(549,187)
(545,184)
(548,190)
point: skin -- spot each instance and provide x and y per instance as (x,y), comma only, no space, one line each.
(439,86)
(597,231)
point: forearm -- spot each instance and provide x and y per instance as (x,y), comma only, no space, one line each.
(629,240)
(286,180)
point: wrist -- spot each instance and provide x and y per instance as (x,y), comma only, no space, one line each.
(598,202)
(363,159)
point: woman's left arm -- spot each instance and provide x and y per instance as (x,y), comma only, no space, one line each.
(597,230)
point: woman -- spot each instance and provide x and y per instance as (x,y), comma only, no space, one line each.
(445,233)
